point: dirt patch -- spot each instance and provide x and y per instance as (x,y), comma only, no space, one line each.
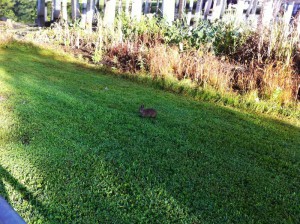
(81,52)
(2,98)
(25,139)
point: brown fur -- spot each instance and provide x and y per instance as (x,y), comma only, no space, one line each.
(147,112)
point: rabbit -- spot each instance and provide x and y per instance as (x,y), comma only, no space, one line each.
(147,112)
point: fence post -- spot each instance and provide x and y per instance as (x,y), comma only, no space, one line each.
(46,11)
(266,13)
(147,4)
(198,12)
(64,10)
(169,10)
(75,9)
(136,12)
(97,5)
(224,6)
(189,15)
(217,9)
(127,7)
(157,6)
(176,8)
(41,17)
(249,8)
(83,14)
(288,13)
(110,13)
(207,8)
(56,9)
(253,10)
(298,30)
(240,10)
(181,8)
(120,7)
(90,12)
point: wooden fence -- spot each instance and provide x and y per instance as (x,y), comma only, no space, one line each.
(191,10)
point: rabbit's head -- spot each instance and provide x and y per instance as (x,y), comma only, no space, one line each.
(142,108)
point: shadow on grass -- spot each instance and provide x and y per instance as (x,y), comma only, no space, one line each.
(25,194)
(197,163)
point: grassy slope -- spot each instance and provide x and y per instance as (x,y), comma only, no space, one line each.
(73,149)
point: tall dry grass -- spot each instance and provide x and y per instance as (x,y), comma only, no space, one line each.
(5,36)
(262,64)
(199,66)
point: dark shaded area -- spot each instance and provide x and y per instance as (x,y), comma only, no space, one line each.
(25,139)
(25,194)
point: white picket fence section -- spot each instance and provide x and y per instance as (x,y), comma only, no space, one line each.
(190,10)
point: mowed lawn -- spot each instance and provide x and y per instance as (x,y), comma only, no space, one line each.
(73,149)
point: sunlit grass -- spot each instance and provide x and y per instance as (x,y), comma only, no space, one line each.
(74,149)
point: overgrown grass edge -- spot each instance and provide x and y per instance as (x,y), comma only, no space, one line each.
(248,102)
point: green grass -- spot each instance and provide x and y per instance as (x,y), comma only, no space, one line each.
(73,149)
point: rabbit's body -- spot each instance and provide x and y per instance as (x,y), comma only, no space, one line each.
(147,112)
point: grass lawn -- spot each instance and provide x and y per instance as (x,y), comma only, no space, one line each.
(73,149)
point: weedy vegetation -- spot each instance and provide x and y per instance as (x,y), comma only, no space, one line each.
(259,68)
